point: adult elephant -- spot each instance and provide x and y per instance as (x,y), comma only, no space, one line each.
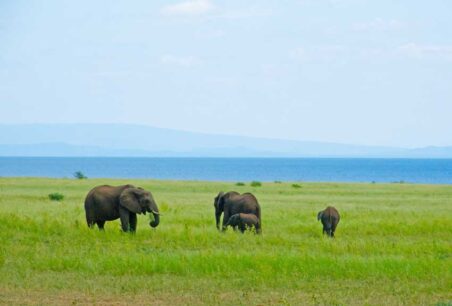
(330,218)
(106,203)
(232,203)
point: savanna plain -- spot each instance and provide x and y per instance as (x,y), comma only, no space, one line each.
(392,246)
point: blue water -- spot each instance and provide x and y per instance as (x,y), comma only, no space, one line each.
(435,171)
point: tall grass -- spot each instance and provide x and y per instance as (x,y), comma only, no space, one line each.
(392,246)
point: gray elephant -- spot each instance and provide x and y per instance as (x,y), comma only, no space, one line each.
(106,203)
(330,218)
(243,221)
(232,203)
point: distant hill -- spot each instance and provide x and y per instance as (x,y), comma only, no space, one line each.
(139,140)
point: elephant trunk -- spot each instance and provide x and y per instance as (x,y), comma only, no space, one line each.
(156,221)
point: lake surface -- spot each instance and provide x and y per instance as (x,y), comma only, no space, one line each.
(433,171)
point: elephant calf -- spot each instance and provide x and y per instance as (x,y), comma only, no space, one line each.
(330,218)
(243,221)
(106,203)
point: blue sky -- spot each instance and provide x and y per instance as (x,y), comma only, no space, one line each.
(349,71)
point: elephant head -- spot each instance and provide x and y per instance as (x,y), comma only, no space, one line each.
(140,201)
(219,207)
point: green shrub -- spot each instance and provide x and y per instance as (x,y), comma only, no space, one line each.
(256,184)
(56,196)
(296,186)
(79,175)
(240,184)
(277,182)
(399,182)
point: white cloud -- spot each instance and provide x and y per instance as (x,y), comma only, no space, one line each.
(243,13)
(379,24)
(188,8)
(419,51)
(316,53)
(299,54)
(329,53)
(332,2)
(181,61)
(207,9)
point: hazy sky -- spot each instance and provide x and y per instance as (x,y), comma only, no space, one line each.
(351,71)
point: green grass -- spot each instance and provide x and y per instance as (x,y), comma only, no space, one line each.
(392,246)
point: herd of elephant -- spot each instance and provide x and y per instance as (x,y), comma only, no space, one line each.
(240,211)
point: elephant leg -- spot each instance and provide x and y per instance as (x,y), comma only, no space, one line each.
(329,231)
(333,229)
(124,215)
(242,227)
(225,220)
(257,226)
(217,220)
(90,220)
(133,222)
(90,223)
(256,229)
(100,225)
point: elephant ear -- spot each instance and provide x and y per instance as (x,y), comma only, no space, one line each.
(129,200)
(319,215)
(219,201)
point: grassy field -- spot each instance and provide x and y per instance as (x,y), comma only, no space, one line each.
(393,246)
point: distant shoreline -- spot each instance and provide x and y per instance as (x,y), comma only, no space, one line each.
(235,157)
(247,184)
(362,170)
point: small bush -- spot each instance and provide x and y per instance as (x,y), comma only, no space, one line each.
(399,182)
(296,186)
(79,175)
(278,182)
(56,196)
(240,184)
(256,184)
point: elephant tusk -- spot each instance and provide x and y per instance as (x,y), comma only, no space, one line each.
(155,212)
